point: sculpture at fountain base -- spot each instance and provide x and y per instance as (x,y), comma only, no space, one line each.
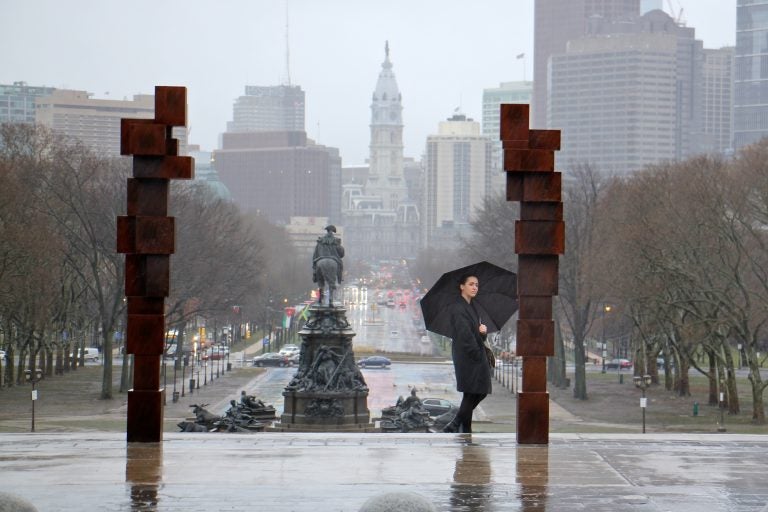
(328,393)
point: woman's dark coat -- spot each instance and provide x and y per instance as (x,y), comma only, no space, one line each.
(473,373)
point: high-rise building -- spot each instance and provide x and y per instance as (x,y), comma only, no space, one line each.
(458,179)
(555,23)
(96,122)
(717,102)
(277,108)
(750,112)
(380,218)
(205,173)
(280,174)
(628,94)
(17,102)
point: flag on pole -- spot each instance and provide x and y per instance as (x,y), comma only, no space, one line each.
(520,56)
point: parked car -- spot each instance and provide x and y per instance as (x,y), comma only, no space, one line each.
(290,350)
(2,354)
(271,359)
(374,361)
(618,364)
(214,354)
(90,354)
(439,406)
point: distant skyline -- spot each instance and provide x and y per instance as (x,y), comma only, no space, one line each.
(444,52)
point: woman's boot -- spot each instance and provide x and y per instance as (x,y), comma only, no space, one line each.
(453,426)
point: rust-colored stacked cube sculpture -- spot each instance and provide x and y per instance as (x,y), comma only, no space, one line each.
(146,236)
(529,161)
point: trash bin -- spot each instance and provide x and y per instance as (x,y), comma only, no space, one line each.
(191,385)
(175,396)
(695,408)
(621,378)
(229,367)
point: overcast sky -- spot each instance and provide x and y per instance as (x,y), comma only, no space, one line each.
(445,52)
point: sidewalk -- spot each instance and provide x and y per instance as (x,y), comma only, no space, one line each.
(340,472)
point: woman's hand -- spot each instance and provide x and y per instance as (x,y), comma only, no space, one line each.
(483,329)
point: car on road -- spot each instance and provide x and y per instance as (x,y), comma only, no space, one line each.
(620,364)
(89,354)
(374,361)
(2,354)
(271,359)
(290,350)
(439,406)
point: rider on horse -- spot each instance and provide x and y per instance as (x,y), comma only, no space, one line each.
(328,246)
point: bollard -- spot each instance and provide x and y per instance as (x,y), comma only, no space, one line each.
(695,408)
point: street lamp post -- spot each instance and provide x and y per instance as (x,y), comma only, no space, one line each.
(34,379)
(606,309)
(642,383)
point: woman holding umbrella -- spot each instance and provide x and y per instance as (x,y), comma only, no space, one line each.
(473,371)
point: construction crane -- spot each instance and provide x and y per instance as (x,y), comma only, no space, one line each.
(677,15)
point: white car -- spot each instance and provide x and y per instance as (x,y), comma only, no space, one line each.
(290,350)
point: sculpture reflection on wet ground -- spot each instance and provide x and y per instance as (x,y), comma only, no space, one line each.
(328,392)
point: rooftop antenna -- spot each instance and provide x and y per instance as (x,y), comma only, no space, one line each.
(287,48)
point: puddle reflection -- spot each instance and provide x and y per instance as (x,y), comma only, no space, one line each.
(532,474)
(471,489)
(143,473)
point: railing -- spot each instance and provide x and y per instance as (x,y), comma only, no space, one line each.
(507,373)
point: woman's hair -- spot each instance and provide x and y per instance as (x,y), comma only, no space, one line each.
(464,277)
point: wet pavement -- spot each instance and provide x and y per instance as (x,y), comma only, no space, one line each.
(339,472)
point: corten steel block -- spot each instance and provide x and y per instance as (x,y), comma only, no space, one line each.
(543,187)
(514,144)
(514,121)
(534,307)
(515,186)
(125,134)
(171,145)
(534,374)
(171,105)
(146,139)
(541,211)
(146,305)
(145,335)
(167,167)
(146,372)
(532,418)
(537,275)
(147,275)
(145,416)
(528,160)
(148,197)
(146,235)
(544,139)
(535,338)
(539,237)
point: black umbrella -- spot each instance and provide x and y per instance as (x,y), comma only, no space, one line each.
(496,298)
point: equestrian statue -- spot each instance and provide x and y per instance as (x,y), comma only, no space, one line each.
(327,266)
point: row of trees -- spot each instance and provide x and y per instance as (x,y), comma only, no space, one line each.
(61,280)
(680,253)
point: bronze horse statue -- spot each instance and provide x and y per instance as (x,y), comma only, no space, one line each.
(327,277)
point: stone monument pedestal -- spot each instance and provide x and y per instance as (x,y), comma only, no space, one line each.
(328,393)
